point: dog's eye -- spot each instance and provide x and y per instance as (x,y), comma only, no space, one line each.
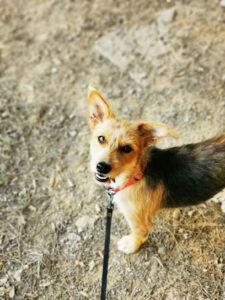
(126,149)
(101,139)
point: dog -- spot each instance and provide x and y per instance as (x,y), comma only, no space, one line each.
(146,179)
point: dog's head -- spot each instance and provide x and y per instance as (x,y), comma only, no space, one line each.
(118,146)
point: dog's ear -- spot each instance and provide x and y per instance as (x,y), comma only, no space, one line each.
(151,132)
(99,109)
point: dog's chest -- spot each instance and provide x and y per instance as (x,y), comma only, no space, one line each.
(124,203)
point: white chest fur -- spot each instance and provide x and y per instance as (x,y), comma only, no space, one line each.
(124,204)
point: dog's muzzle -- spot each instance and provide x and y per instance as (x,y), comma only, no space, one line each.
(102,169)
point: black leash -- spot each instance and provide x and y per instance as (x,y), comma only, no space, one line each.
(110,207)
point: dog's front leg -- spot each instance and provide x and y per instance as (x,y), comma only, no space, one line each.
(131,243)
(140,223)
(138,210)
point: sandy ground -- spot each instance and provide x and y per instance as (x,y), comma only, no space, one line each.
(49,52)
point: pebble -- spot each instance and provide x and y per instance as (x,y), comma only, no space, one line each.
(185,236)
(73,133)
(52,181)
(222,3)
(5,114)
(73,237)
(223,77)
(176,214)
(191,213)
(92,264)
(70,183)
(97,208)
(83,222)
(17,275)
(3,280)
(34,120)
(161,251)
(54,70)
(167,15)
(56,61)
(12,293)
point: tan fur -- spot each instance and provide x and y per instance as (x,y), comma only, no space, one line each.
(143,203)
(138,203)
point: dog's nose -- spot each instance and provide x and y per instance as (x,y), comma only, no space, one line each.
(103,167)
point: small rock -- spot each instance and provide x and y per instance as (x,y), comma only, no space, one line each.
(32,208)
(56,61)
(52,181)
(29,87)
(73,237)
(170,296)
(42,37)
(176,214)
(154,269)
(222,3)
(59,168)
(84,294)
(34,120)
(185,236)
(3,280)
(97,208)
(79,263)
(21,220)
(2,292)
(83,222)
(73,133)
(91,265)
(12,293)
(114,47)
(167,15)
(44,283)
(223,77)
(161,251)
(70,183)
(17,275)
(54,70)
(5,114)
(191,213)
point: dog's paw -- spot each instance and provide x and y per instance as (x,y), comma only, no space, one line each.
(128,244)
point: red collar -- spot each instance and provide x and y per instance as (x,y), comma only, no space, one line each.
(132,181)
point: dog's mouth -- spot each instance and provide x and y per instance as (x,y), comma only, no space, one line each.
(101,178)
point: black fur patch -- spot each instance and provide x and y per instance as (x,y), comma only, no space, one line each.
(190,174)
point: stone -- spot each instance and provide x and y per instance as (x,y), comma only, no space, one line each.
(167,15)
(17,274)
(83,222)
(222,3)
(114,47)
(162,251)
(12,293)
(132,50)
(176,214)
(73,237)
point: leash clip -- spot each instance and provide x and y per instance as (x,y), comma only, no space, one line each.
(111,195)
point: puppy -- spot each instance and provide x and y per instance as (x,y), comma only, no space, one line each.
(144,178)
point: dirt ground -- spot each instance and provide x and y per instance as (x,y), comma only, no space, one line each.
(51,212)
